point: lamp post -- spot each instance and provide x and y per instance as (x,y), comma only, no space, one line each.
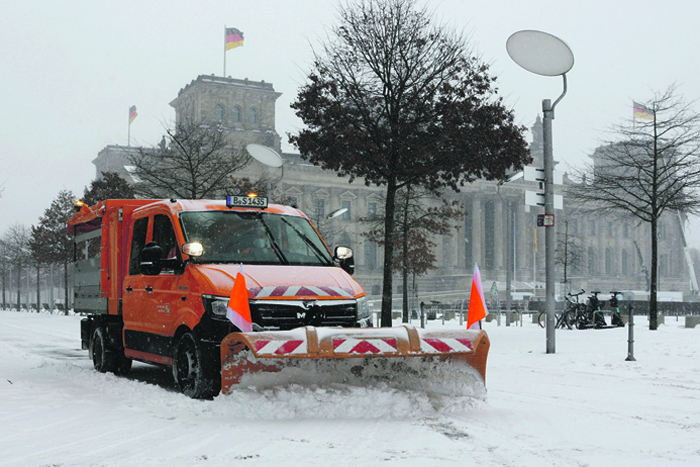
(544,54)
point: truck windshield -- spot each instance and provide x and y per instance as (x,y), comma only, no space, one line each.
(254,238)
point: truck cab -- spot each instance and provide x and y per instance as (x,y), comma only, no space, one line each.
(165,269)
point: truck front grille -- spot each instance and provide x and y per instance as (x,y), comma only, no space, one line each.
(290,314)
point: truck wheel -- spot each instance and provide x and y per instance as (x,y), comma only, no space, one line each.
(189,368)
(103,359)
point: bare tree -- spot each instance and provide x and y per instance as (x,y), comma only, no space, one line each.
(5,266)
(569,253)
(651,167)
(421,215)
(397,100)
(196,161)
(16,241)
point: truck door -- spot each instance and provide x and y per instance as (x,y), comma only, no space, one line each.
(165,298)
(140,338)
(151,300)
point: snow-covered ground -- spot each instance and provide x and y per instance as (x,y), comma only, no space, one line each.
(583,406)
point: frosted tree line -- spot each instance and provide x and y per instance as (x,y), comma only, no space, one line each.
(36,261)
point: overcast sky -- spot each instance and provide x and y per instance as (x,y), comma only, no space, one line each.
(70,70)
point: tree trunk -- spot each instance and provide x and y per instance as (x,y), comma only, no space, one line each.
(653,304)
(65,286)
(4,278)
(404,269)
(389,223)
(52,302)
(38,289)
(653,308)
(19,286)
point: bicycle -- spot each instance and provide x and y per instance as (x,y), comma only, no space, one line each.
(589,315)
(576,312)
(564,319)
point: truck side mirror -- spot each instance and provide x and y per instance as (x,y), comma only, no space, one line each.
(150,259)
(343,255)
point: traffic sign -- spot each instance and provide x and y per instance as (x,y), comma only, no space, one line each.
(545,220)
(533,198)
(536,174)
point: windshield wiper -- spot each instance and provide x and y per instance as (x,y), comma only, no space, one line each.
(276,249)
(308,241)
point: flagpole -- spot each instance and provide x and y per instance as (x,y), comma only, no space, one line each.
(224,75)
(128,141)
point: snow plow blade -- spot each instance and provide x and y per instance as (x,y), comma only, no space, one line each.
(386,350)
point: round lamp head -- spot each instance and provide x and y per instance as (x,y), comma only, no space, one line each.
(337,212)
(264,155)
(540,53)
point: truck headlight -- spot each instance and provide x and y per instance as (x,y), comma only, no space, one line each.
(216,304)
(362,308)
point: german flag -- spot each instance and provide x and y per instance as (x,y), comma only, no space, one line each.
(642,111)
(234,38)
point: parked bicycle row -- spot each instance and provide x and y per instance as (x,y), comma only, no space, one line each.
(586,315)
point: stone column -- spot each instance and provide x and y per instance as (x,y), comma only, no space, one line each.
(522,233)
(499,234)
(477,233)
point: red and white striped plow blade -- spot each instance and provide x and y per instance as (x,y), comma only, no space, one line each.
(270,351)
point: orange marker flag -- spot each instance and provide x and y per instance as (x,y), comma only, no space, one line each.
(238,311)
(477,303)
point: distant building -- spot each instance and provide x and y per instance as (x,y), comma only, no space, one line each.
(243,107)
(602,254)
(115,158)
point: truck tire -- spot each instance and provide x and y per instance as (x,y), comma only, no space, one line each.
(190,371)
(103,358)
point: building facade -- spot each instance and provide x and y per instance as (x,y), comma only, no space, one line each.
(594,252)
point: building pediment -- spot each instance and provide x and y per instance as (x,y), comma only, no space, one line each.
(293,191)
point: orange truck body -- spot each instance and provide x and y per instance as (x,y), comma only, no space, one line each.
(137,314)
(154,307)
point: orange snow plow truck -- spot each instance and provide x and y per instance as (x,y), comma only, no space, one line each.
(154,278)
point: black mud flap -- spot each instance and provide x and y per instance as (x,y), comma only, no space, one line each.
(85,331)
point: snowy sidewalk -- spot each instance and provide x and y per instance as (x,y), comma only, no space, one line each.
(584,405)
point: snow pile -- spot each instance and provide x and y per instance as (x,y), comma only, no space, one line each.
(332,402)
(584,405)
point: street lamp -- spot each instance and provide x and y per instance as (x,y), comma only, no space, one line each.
(336,213)
(544,54)
(269,157)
